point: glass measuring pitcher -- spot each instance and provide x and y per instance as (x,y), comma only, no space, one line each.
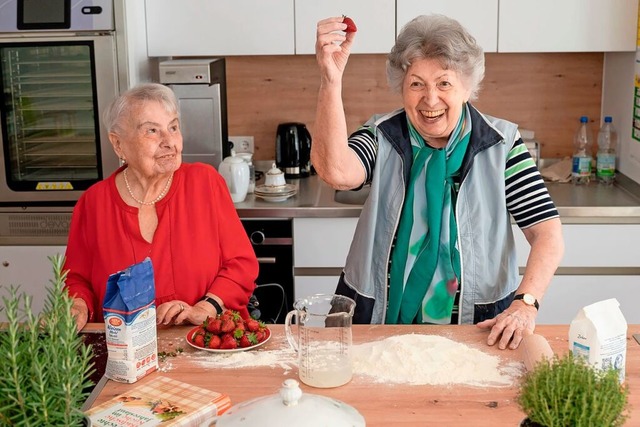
(323,339)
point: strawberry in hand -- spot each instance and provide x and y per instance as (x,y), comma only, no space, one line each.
(351,26)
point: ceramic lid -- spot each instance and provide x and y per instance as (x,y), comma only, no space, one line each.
(274,170)
(290,407)
(233,158)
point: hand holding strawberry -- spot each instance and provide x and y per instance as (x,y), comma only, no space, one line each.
(351,26)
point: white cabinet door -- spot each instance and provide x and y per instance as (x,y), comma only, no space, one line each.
(216,28)
(375,20)
(480,18)
(28,267)
(567,26)
(322,242)
(568,294)
(309,285)
(592,245)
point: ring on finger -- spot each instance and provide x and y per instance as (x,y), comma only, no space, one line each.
(181,307)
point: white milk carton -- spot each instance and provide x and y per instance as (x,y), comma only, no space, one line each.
(599,334)
(130,323)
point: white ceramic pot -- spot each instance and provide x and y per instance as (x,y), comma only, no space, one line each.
(235,172)
(291,408)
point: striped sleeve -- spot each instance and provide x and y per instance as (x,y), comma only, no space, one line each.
(364,144)
(528,200)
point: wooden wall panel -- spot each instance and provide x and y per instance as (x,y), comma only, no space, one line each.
(546,93)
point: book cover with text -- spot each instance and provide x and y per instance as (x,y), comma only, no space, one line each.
(162,401)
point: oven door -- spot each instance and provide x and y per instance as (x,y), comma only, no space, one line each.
(54,91)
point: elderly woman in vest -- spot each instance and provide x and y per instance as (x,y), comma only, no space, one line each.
(434,242)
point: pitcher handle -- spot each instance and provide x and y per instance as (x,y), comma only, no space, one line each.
(287,329)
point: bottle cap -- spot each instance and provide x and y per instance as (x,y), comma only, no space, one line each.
(608,119)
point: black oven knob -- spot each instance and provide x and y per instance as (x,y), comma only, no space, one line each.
(257,237)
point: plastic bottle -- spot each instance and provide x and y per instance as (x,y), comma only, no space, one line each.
(606,159)
(582,153)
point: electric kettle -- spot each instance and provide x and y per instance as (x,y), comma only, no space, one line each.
(293,150)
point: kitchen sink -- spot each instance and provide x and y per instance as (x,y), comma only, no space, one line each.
(350,197)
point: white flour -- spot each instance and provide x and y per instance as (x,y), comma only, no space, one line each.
(413,359)
(430,359)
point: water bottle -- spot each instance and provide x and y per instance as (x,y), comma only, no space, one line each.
(606,159)
(582,142)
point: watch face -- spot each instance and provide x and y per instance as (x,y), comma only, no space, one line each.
(529,299)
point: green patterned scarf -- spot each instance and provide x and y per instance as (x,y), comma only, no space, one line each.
(425,263)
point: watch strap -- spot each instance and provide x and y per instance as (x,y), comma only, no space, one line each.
(521,297)
(213,302)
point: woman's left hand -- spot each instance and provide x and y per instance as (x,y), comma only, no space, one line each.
(178,312)
(511,325)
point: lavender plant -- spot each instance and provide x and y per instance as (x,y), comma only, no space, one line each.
(46,370)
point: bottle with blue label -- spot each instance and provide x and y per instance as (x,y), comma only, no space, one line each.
(582,153)
(606,158)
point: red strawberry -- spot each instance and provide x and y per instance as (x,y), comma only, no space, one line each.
(252,325)
(214,341)
(198,340)
(351,26)
(228,342)
(227,326)
(247,340)
(214,326)
(261,334)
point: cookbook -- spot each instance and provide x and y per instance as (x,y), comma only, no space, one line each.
(162,401)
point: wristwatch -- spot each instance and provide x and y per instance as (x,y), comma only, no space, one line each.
(213,302)
(528,299)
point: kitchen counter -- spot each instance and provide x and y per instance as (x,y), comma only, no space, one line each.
(381,404)
(593,203)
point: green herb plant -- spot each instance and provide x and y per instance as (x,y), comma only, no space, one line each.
(46,367)
(568,392)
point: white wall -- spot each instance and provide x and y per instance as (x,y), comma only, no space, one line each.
(617,101)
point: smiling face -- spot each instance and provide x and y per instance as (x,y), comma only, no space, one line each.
(433,99)
(150,140)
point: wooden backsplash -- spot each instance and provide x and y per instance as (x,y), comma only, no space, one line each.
(546,93)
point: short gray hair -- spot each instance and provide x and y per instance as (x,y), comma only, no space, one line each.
(441,38)
(121,106)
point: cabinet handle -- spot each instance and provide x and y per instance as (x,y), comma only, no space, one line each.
(267,260)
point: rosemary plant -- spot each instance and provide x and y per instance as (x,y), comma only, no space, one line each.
(46,366)
(568,392)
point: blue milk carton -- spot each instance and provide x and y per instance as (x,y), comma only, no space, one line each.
(130,323)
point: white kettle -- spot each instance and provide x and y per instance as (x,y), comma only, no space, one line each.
(235,172)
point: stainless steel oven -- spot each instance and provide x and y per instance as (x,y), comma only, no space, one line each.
(58,72)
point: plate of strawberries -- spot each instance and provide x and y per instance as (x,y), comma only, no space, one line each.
(228,333)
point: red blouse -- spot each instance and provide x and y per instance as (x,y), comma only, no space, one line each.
(199,245)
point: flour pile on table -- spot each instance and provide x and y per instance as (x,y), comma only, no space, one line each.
(430,359)
(284,358)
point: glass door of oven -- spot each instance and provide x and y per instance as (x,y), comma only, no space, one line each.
(52,146)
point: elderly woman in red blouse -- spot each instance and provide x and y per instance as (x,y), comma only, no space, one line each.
(178,214)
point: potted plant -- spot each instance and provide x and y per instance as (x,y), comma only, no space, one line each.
(46,367)
(567,391)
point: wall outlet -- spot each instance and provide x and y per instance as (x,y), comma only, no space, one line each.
(242,144)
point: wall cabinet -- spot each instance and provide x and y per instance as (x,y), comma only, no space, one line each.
(218,28)
(374,19)
(480,18)
(567,26)
(30,268)
(597,265)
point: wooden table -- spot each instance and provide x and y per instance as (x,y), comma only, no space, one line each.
(380,404)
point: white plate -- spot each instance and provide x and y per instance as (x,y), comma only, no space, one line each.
(266,189)
(277,198)
(218,350)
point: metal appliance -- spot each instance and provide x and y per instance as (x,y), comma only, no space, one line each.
(58,73)
(293,150)
(272,241)
(200,86)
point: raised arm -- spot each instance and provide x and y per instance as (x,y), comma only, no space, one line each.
(332,158)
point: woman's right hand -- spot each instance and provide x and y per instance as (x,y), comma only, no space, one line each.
(332,47)
(80,311)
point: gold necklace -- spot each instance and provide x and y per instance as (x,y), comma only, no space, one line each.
(152,202)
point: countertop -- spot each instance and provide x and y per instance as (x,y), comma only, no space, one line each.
(381,404)
(592,203)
